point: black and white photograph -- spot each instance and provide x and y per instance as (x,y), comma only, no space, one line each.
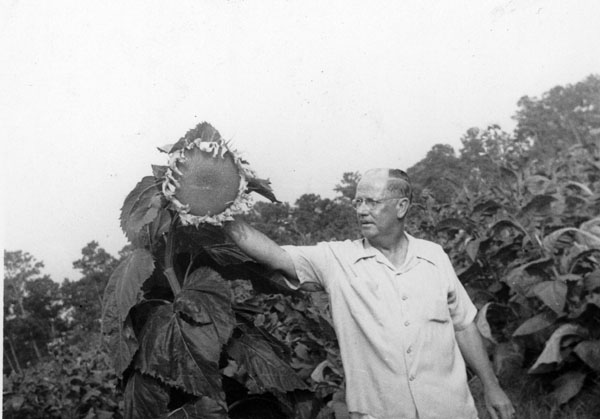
(286,209)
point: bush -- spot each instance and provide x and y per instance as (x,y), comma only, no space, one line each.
(75,383)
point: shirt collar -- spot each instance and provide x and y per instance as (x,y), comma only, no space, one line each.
(415,250)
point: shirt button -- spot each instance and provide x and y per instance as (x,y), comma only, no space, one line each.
(411,378)
(406,323)
(405,297)
(409,350)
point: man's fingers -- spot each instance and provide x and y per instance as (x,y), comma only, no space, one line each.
(508,412)
(503,412)
(492,412)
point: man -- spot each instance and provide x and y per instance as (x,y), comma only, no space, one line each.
(404,321)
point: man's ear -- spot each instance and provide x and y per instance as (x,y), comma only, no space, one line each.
(402,207)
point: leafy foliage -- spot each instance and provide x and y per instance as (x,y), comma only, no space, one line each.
(74,383)
(527,251)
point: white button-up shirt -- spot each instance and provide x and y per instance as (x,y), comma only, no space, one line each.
(395,327)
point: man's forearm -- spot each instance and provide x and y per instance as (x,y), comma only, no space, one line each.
(261,248)
(471,346)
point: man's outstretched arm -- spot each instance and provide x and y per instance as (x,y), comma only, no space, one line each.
(261,248)
(471,346)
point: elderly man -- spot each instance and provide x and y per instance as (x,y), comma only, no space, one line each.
(404,321)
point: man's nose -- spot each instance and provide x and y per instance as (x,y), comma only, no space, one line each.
(362,208)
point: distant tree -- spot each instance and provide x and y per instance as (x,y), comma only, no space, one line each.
(83,298)
(484,152)
(274,220)
(95,260)
(32,305)
(19,267)
(563,116)
(311,219)
(438,174)
(347,186)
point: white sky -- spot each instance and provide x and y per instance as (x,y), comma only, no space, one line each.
(307,90)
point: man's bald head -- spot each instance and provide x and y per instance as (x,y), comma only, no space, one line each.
(397,182)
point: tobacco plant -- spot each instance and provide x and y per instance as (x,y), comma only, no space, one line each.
(528,251)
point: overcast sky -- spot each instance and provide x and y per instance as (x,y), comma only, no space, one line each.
(307,90)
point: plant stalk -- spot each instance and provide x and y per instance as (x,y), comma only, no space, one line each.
(169,271)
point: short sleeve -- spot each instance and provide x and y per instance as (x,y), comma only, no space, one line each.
(310,263)
(462,309)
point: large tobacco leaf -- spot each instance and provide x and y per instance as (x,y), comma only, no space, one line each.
(270,372)
(123,291)
(552,293)
(589,352)
(567,386)
(554,353)
(141,207)
(536,323)
(145,398)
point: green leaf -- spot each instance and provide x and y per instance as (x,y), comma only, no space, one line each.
(472,249)
(190,239)
(262,187)
(145,397)
(592,281)
(552,356)
(165,148)
(553,294)
(451,224)
(488,207)
(159,172)
(589,352)
(180,354)
(506,224)
(522,278)
(206,299)
(509,175)
(508,358)
(141,207)
(261,362)
(567,386)
(161,224)
(537,184)
(204,408)
(483,325)
(591,226)
(535,324)
(123,291)
(585,257)
(539,203)
(227,254)
(579,186)
(583,236)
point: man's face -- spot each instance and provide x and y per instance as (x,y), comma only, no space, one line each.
(380,218)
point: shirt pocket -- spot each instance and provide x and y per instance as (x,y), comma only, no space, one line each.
(438,312)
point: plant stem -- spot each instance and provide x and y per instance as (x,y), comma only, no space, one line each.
(169,271)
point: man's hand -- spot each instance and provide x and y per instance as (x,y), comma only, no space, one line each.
(497,403)
(261,248)
(471,347)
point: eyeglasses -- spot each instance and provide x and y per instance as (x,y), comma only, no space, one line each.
(369,202)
